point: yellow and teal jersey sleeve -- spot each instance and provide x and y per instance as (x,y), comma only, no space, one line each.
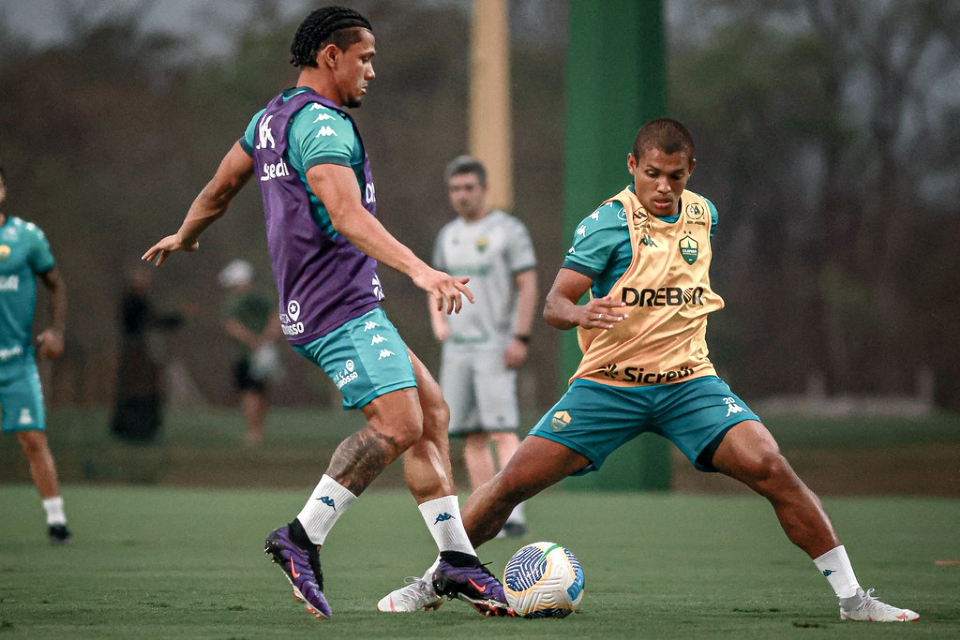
(601,247)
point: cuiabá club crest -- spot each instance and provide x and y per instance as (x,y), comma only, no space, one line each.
(689,249)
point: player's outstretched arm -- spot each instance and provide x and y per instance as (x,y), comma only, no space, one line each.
(561,310)
(234,172)
(337,188)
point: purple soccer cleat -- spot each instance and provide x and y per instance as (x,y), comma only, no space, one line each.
(302,569)
(474,585)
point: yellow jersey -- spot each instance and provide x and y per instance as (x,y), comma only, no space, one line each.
(668,296)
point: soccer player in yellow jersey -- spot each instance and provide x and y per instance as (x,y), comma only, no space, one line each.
(644,256)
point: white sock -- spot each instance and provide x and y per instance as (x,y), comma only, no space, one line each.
(835,567)
(327,503)
(443,520)
(517,516)
(54,508)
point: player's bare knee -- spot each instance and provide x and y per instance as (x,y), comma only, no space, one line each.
(33,443)
(409,434)
(772,474)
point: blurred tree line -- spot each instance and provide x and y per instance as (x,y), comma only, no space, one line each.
(825,133)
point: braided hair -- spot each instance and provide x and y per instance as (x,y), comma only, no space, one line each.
(323,26)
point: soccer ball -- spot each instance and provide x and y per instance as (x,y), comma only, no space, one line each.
(543,580)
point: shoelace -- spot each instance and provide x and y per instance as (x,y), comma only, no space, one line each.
(420,590)
(869,602)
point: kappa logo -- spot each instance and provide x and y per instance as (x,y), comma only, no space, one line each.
(265,133)
(325,131)
(385,353)
(370,324)
(443,517)
(323,116)
(327,500)
(733,408)
(828,572)
(25,417)
(595,215)
(377,339)
(582,231)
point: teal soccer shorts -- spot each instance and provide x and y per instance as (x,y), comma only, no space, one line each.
(21,399)
(365,357)
(595,419)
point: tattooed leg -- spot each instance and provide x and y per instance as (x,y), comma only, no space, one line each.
(361,458)
(394,423)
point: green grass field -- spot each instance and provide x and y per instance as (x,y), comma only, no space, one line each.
(158,562)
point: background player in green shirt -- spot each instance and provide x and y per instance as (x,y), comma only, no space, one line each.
(250,318)
(24,258)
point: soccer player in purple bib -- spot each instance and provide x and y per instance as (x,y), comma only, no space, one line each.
(325,241)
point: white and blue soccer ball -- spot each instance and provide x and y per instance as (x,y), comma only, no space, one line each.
(543,580)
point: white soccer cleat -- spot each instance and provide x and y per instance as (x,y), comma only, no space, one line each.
(418,594)
(865,608)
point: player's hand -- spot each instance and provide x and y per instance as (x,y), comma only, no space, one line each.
(50,343)
(515,354)
(165,247)
(441,331)
(601,313)
(445,290)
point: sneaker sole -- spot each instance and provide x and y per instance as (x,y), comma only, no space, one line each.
(489,608)
(846,618)
(428,607)
(276,557)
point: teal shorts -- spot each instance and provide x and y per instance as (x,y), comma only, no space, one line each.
(21,399)
(594,419)
(365,357)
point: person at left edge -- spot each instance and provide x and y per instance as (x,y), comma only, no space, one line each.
(325,241)
(25,257)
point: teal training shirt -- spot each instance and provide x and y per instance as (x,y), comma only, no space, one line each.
(24,253)
(601,245)
(333,142)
